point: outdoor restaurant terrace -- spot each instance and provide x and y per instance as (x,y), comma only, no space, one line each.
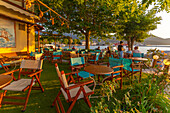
(38,79)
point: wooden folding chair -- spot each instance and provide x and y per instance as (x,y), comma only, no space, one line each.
(71,92)
(57,56)
(116,65)
(129,68)
(4,65)
(23,84)
(77,64)
(95,59)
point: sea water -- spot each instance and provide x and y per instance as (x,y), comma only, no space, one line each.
(143,49)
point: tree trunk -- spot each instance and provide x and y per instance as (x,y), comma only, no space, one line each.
(88,39)
(132,42)
(129,44)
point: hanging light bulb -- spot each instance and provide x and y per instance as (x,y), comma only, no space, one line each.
(155,57)
(62,23)
(67,25)
(52,20)
(41,14)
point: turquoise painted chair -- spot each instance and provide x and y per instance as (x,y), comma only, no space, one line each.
(102,55)
(57,56)
(78,63)
(138,55)
(95,59)
(129,69)
(116,65)
(97,51)
(4,65)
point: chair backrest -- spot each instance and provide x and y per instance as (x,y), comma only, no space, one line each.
(77,61)
(126,63)
(62,77)
(103,54)
(115,62)
(59,50)
(38,56)
(50,49)
(138,55)
(97,51)
(97,56)
(82,52)
(57,53)
(33,53)
(31,64)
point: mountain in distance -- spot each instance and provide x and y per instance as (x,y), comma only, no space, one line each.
(154,40)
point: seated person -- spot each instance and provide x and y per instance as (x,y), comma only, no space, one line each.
(129,52)
(136,50)
(98,48)
(73,48)
(59,48)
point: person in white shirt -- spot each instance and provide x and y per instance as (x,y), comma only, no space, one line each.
(136,50)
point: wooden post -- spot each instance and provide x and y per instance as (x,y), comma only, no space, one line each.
(28,38)
(69,42)
(55,43)
(38,40)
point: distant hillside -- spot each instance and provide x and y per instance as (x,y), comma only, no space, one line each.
(153,40)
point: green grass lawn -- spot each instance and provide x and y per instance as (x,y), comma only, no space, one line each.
(41,102)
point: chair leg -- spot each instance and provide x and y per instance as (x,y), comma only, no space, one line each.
(39,84)
(86,98)
(26,100)
(56,98)
(74,101)
(1,97)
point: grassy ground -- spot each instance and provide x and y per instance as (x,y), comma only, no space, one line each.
(40,102)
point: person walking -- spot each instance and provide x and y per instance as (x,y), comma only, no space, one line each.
(120,49)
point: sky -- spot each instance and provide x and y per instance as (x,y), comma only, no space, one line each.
(163,29)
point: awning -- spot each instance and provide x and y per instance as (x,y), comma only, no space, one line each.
(9,6)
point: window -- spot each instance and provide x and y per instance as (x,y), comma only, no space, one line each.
(22,27)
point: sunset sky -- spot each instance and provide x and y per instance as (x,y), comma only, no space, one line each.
(163,29)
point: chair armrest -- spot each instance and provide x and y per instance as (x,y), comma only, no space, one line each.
(71,73)
(80,84)
(117,66)
(31,75)
(78,67)
(10,72)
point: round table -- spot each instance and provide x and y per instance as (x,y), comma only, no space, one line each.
(5,80)
(98,69)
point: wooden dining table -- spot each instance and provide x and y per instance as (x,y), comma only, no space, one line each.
(97,70)
(139,59)
(5,80)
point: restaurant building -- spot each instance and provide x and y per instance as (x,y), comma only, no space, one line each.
(17,27)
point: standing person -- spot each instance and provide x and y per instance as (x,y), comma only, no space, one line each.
(120,49)
(73,48)
(108,51)
(136,50)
